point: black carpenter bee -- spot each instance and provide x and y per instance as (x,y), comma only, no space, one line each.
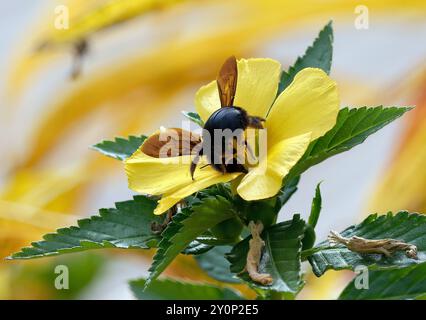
(227,117)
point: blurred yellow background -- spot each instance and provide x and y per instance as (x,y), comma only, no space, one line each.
(145,60)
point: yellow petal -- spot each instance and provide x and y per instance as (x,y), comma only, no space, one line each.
(170,199)
(157,175)
(265,180)
(207,100)
(309,104)
(257,87)
(169,177)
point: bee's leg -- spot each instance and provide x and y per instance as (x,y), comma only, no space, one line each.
(195,161)
(255,122)
(249,149)
(206,165)
(254,254)
(222,168)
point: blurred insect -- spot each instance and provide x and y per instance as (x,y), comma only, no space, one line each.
(80,50)
(228,117)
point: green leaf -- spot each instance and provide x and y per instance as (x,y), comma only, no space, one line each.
(309,237)
(406,283)
(316,207)
(185,227)
(319,55)
(84,269)
(410,228)
(173,290)
(281,257)
(196,247)
(228,231)
(353,126)
(126,226)
(214,263)
(120,148)
(265,211)
(194,117)
(208,238)
(286,192)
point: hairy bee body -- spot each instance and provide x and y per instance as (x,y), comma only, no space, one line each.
(221,153)
(229,118)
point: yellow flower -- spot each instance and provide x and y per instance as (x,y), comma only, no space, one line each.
(304,111)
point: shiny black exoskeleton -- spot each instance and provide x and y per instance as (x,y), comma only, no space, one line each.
(231,118)
(226,118)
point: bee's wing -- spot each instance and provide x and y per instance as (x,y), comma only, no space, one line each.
(171,142)
(227,82)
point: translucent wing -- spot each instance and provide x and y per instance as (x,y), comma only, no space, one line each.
(227,82)
(172,142)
